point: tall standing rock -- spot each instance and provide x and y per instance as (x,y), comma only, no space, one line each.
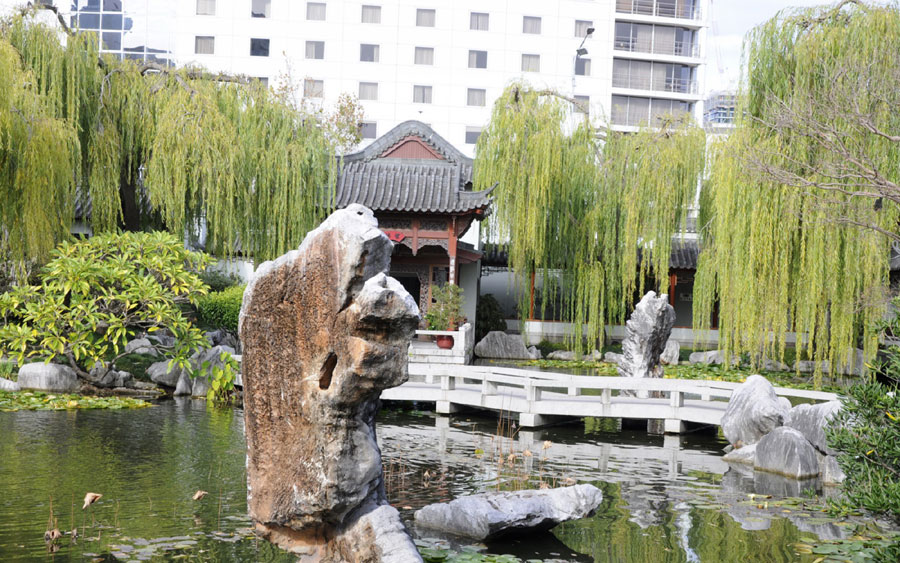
(324,331)
(646,334)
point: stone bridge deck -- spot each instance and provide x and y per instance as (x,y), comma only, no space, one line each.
(539,398)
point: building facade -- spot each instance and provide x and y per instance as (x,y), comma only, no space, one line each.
(440,62)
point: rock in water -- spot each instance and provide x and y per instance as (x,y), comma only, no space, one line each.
(491,515)
(324,331)
(501,346)
(7,385)
(786,452)
(753,411)
(811,420)
(646,333)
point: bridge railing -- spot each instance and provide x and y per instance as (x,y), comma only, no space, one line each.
(535,383)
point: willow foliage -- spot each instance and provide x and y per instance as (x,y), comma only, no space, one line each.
(603,214)
(791,187)
(141,147)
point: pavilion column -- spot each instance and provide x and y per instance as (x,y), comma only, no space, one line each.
(451,250)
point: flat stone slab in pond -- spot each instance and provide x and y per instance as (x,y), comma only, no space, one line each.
(491,515)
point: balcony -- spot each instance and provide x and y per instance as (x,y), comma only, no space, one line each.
(667,84)
(673,48)
(681,9)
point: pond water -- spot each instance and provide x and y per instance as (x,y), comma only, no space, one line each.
(665,499)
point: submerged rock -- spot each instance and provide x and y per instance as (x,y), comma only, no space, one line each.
(324,331)
(785,451)
(490,515)
(745,455)
(56,378)
(753,411)
(501,346)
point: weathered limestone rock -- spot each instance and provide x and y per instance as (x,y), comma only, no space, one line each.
(808,366)
(811,420)
(491,515)
(831,472)
(595,356)
(56,378)
(7,385)
(564,355)
(534,352)
(745,455)
(612,357)
(141,346)
(712,357)
(646,333)
(102,376)
(753,411)
(501,346)
(773,365)
(160,374)
(324,331)
(785,451)
(671,354)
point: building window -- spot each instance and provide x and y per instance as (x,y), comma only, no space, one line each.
(89,21)
(582,66)
(261,9)
(424,56)
(368,90)
(204,45)
(531,24)
(425,17)
(636,111)
(421,94)
(315,11)
(205,8)
(531,63)
(368,53)
(264,80)
(313,88)
(112,21)
(108,5)
(643,75)
(367,130)
(112,41)
(583,104)
(478,21)
(659,39)
(582,26)
(371,14)
(259,47)
(475,97)
(315,49)
(472,134)
(477,59)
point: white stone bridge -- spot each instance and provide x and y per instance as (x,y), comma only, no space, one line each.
(540,398)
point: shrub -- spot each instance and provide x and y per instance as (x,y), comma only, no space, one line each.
(488,316)
(218,280)
(221,309)
(95,295)
(446,311)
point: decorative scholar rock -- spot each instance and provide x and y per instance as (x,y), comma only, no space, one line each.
(56,378)
(491,515)
(811,420)
(501,346)
(7,385)
(785,451)
(324,331)
(646,334)
(753,411)
(564,355)
(712,357)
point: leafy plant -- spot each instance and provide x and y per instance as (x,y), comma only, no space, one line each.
(96,294)
(221,309)
(488,316)
(49,402)
(445,312)
(218,280)
(222,376)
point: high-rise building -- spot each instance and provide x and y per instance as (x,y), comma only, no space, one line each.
(442,62)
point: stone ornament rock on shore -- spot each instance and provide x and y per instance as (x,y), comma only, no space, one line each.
(55,378)
(646,334)
(324,331)
(501,346)
(490,515)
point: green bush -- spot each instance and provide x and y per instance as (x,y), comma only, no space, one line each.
(95,295)
(218,280)
(221,309)
(445,313)
(488,316)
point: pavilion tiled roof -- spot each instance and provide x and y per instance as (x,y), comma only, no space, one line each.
(410,169)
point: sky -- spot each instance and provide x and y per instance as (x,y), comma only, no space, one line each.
(730,20)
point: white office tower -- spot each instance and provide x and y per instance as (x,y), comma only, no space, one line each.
(440,62)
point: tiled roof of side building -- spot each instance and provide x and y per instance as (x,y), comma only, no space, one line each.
(410,169)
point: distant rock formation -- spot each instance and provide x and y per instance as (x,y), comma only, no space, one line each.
(324,331)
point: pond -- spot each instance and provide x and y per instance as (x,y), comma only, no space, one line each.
(665,499)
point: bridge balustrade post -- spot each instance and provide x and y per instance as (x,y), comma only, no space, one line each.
(574,391)
(606,396)
(488,387)
(676,398)
(532,393)
(448,383)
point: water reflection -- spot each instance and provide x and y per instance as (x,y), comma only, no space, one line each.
(665,499)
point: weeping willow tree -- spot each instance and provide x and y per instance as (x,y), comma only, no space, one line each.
(804,200)
(602,213)
(142,146)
